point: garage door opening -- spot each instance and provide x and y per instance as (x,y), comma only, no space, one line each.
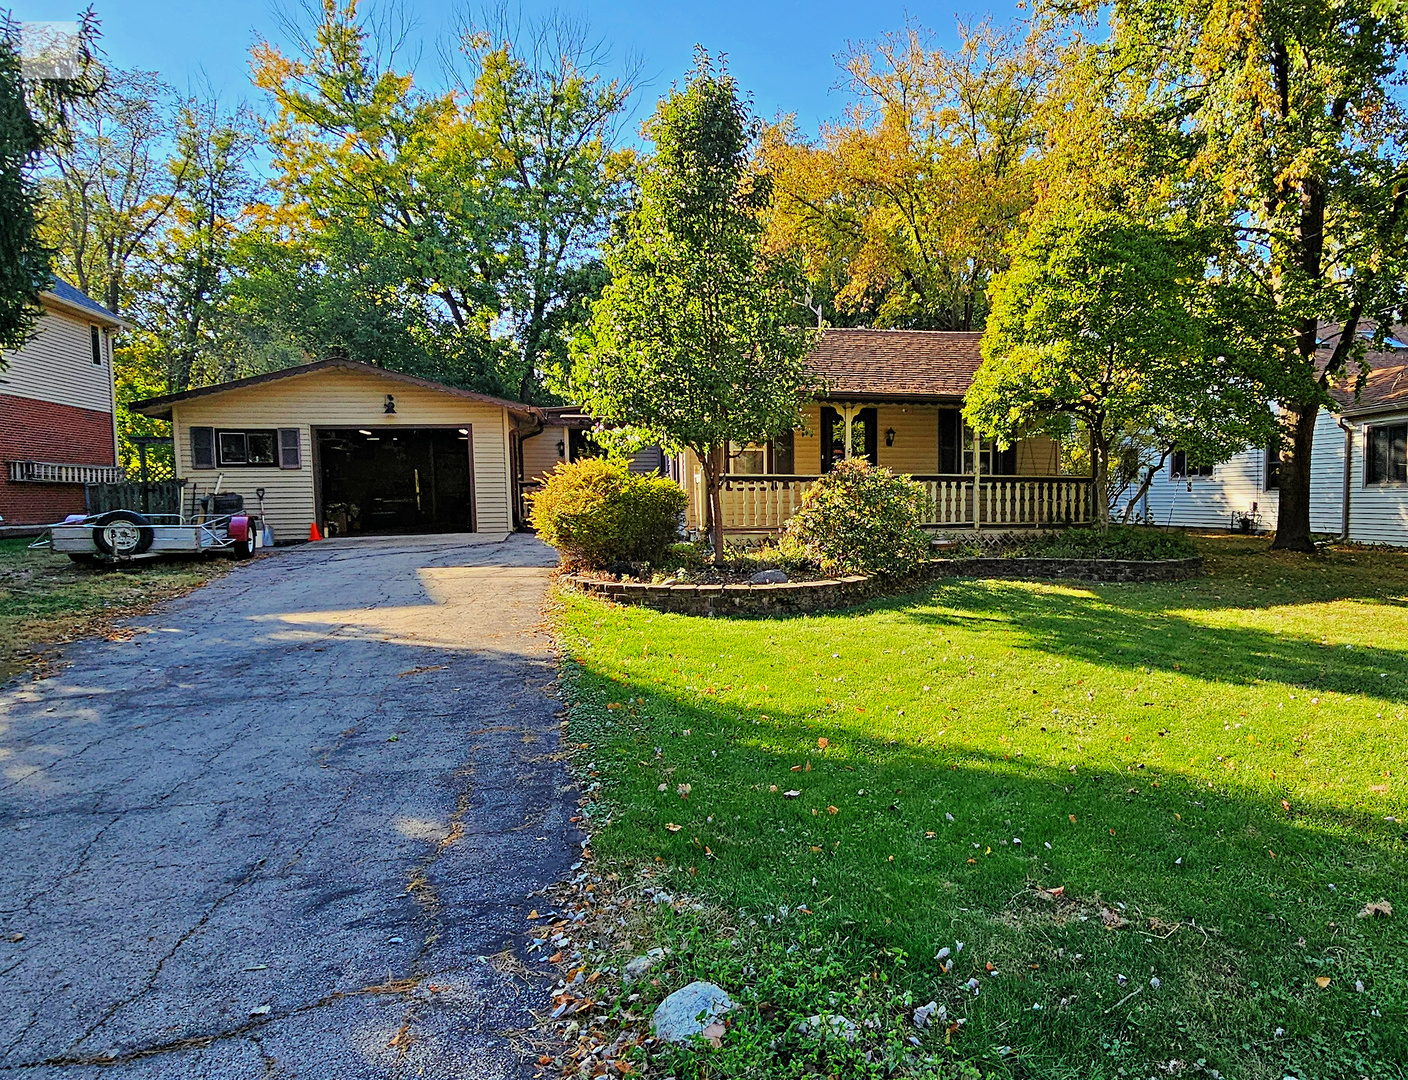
(380,481)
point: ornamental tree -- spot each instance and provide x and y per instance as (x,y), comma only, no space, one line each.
(695,343)
(1114,323)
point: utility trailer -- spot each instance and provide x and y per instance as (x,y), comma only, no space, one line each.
(220,525)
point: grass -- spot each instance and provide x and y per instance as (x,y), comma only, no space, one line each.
(46,598)
(1216,766)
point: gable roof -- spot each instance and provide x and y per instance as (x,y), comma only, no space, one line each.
(1385,385)
(160,407)
(66,296)
(878,364)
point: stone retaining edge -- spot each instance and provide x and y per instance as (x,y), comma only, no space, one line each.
(803,596)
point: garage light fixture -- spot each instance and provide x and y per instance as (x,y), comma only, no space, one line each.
(363,431)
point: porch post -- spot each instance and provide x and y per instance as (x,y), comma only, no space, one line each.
(977,476)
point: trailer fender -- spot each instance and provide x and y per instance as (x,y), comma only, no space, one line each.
(238,528)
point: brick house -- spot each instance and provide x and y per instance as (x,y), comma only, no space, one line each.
(57,404)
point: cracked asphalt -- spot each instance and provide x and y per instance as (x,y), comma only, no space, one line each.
(288,827)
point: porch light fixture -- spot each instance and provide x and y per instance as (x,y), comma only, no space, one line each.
(889,436)
(561,448)
(390,407)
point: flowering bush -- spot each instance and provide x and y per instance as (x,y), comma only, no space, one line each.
(858,519)
(596,512)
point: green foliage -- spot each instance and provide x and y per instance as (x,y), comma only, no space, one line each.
(24,261)
(1115,322)
(1116,542)
(858,519)
(595,511)
(695,342)
(1148,733)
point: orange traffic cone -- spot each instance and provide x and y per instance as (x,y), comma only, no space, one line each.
(313,533)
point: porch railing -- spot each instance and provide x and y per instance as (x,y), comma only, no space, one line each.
(766,502)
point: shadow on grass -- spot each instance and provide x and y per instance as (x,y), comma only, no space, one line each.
(1218,893)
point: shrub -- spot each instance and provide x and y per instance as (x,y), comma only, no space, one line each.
(860,520)
(596,512)
(1118,542)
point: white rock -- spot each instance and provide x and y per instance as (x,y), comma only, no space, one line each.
(839,1025)
(636,969)
(924,1013)
(688,1011)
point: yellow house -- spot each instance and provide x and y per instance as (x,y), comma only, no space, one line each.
(895,398)
(357,449)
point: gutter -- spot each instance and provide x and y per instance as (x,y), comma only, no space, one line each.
(1348,430)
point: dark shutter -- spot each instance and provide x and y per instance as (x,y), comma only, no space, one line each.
(871,419)
(202,448)
(1178,463)
(1005,463)
(829,416)
(950,441)
(290,452)
(782,461)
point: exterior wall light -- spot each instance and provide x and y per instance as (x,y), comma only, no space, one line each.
(889,436)
(390,407)
(561,448)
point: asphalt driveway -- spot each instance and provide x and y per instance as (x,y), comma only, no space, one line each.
(289,827)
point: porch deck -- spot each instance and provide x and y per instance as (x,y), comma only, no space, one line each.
(764,503)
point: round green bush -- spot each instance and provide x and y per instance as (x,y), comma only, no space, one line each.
(596,512)
(858,519)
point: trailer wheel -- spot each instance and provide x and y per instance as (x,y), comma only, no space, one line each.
(244,549)
(122,534)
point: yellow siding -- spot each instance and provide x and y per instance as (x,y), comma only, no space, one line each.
(1038,456)
(341,399)
(916,449)
(540,454)
(806,445)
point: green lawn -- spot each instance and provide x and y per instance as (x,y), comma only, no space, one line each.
(1218,764)
(47,598)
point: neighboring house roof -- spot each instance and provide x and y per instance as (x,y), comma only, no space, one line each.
(1385,385)
(160,407)
(880,364)
(66,296)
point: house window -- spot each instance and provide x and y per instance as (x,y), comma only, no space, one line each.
(773,457)
(252,448)
(1180,467)
(992,460)
(1386,454)
(97,339)
(865,441)
(1273,468)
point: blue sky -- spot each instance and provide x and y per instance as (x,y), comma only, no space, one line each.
(781,50)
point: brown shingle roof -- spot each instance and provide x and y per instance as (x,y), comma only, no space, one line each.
(897,363)
(1385,387)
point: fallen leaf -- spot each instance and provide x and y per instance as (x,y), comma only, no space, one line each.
(822,743)
(796,768)
(534,914)
(1378,909)
(1322,981)
(672,827)
(833,810)
(715,1034)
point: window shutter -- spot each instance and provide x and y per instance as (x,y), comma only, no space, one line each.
(202,448)
(829,417)
(950,437)
(1178,464)
(871,419)
(290,451)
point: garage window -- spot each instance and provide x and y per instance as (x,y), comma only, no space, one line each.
(256,448)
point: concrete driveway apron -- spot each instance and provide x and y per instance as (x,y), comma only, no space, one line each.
(288,827)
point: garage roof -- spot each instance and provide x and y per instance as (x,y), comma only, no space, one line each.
(159,408)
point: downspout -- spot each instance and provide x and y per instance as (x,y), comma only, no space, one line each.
(1348,430)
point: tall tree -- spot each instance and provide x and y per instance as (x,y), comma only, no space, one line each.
(695,341)
(1116,324)
(901,208)
(1288,129)
(40,82)
(543,123)
(110,187)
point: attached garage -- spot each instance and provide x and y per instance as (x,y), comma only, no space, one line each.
(357,449)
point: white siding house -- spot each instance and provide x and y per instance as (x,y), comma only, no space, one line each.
(1357,488)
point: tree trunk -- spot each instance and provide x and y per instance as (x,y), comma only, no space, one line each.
(1100,481)
(1293,513)
(711,463)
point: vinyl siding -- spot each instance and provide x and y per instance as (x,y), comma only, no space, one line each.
(1238,485)
(1378,513)
(56,365)
(540,454)
(340,399)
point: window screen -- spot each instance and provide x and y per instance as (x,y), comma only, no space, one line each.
(1386,455)
(290,455)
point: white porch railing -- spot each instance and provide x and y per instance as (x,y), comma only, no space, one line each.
(766,502)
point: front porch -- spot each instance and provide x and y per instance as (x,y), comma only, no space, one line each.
(968,484)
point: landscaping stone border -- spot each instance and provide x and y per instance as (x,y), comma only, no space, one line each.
(794,597)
